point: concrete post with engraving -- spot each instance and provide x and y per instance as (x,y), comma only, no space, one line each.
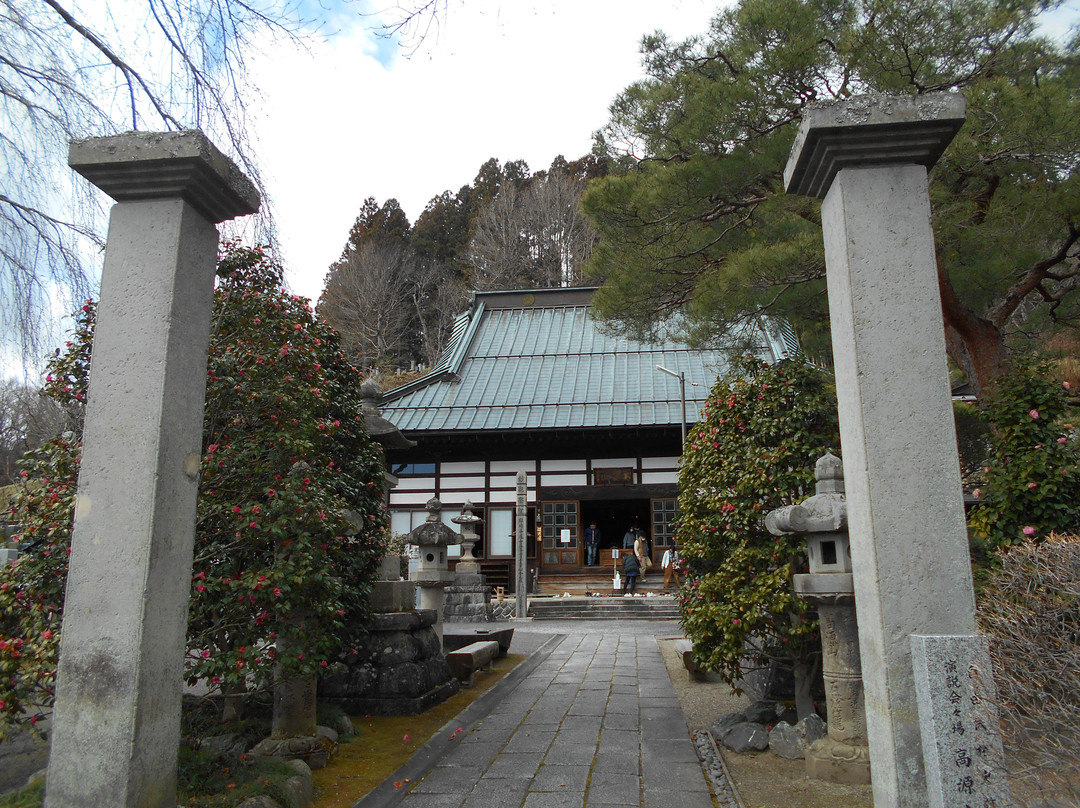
(116,722)
(868,158)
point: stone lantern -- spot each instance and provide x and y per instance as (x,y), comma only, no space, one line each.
(433,572)
(467,564)
(842,756)
(468,600)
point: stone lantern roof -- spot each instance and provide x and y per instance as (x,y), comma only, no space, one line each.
(382,430)
(433,532)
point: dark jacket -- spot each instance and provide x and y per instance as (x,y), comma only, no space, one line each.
(630,565)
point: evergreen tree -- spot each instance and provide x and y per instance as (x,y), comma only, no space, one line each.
(695,220)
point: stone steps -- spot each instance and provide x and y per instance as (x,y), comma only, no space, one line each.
(660,607)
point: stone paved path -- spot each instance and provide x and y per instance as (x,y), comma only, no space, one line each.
(596,724)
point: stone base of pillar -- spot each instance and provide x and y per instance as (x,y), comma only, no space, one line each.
(314,750)
(392,596)
(470,603)
(395,668)
(837,762)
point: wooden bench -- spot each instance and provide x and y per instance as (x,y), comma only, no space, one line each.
(465,662)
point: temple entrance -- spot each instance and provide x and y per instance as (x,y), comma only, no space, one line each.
(614,518)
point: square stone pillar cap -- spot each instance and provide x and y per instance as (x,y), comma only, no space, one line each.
(870,130)
(166,165)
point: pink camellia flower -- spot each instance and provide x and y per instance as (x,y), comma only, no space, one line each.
(1029,530)
(405,738)
(1034,413)
(277,592)
(1063,439)
(977,493)
(205,654)
(1033,485)
(735,622)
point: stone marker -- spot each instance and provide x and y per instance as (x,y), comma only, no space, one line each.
(965,765)
(116,722)
(521,549)
(868,158)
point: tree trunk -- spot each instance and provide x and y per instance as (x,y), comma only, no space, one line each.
(976,344)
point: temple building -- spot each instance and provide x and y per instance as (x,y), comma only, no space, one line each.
(530,382)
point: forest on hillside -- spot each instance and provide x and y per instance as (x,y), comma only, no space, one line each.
(397,287)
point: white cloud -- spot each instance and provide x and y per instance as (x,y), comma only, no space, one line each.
(524,80)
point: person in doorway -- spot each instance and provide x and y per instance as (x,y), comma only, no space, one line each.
(592,544)
(629,536)
(641,552)
(630,570)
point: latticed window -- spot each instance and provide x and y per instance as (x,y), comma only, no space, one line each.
(664,513)
(560,532)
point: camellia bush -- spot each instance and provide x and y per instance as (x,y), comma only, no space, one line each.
(761,431)
(290,513)
(1031,479)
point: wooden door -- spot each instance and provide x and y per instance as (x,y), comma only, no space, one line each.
(560,531)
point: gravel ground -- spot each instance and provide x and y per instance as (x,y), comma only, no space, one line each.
(762,780)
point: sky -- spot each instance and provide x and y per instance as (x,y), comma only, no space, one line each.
(357,117)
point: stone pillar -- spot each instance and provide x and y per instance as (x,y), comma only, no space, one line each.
(116,722)
(868,158)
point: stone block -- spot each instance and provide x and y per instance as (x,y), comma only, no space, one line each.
(746,737)
(166,165)
(393,596)
(958,719)
(300,791)
(229,746)
(867,131)
(454,639)
(761,712)
(261,801)
(786,742)
(464,662)
(724,723)
(811,729)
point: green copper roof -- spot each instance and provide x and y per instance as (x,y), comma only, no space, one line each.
(536,359)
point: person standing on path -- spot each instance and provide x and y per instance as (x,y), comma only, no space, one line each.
(592,544)
(641,552)
(630,569)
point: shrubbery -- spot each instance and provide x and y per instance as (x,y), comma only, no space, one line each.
(1031,480)
(1030,611)
(290,512)
(761,431)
